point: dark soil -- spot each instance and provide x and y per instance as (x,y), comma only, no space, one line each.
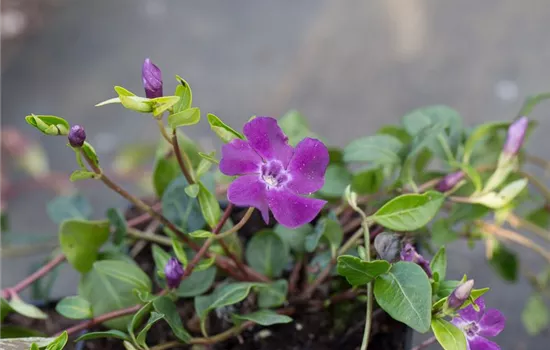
(340,326)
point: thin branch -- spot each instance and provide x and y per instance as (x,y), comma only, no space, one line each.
(425,343)
(180,157)
(519,223)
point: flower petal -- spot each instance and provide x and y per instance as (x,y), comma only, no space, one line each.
(491,323)
(480,343)
(267,138)
(238,158)
(291,210)
(308,166)
(469,314)
(249,190)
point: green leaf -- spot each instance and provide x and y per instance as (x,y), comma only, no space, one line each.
(377,149)
(209,206)
(448,336)
(205,264)
(263,317)
(442,233)
(179,251)
(224,132)
(137,319)
(539,217)
(209,157)
(136,103)
(479,133)
(535,315)
(160,256)
(203,168)
(295,127)
(59,342)
(25,343)
(81,175)
(74,206)
(201,234)
(439,263)
(504,262)
(74,307)
(498,200)
(153,318)
(49,124)
(337,178)
(10,331)
(113,333)
(397,132)
(273,294)
(90,152)
(197,283)
(183,91)
(267,253)
(166,306)
(162,104)
(190,116)
(368,181)
(182,210)
(109,286)
(80,241)
(165,171)
(409,212)
(27,310)
(532,101)
(294,238)
(405,294)
(359,272)
(118,223)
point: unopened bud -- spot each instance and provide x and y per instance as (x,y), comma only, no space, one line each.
(408,253)
(173,272)
(77,136)
(388,246)
(152,79)
(449,181)
(460,295)
(516,135)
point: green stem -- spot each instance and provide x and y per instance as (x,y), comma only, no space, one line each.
(446,148)
(368,315)
(149,237)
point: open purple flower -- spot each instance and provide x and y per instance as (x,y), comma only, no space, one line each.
(477,325)
(408,253)
(516,135)
(274,175)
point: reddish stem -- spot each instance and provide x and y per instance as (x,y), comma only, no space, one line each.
(295,276)
(100,319)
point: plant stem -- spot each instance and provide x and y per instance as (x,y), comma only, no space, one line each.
(425,343)
(151,237)
(519,223)
(535,181)
(100,319)
(162,130)
(238,226)
(182,158)
(58,259)
(368,315)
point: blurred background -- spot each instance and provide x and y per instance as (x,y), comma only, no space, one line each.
(348,66)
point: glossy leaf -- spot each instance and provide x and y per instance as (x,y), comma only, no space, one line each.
(160,257)
(74,206)
(201,234)
(163,103)
(183,91)
(190,116)
(81,175)
(113,333)
(209,157)
(209,206)
(368,181)
(27,310)
(267,253)
(137,320)
(197,283)
(179,208)
(165,171)
(377,149)
(443,233)
(49,124)
(439,263)
(179,251)
(337,178)
(535,316)
(405,293)
(448,335)
(153,318)
(59,342)
(90,152)
(166,306)
(358,272)
(74,307)
(80,241)
(25,343)
(273,294)
(498,200)
(409,212)
(294,238)
(118,223)
(224,131)
(263,317)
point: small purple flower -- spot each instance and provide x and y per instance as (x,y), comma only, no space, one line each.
(152,79)
(173,272)
(515,136)
(408,253)
(274,175)
(477,325)
(460,295)
(449,181)
(77,136)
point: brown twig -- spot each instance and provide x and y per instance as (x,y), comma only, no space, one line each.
(100,319)
(295,275)
(179,157)
(425,343)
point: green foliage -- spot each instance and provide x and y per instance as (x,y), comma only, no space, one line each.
(209,206)
(448,336)
(359,272)
(539,217)
(49,124)
(405,294)
(367,181)
(535,316)
(183,91)
(296,127)
(376,150)
(179,208)
(28,310)
(224,131)
(118,224)
(328,227)
(294,238)
(499,200)
(81,175)
(267,253)
(273,294)
(113,333)
(190,116)
(11,331)
(337,178)
(439,263)
(74,307)
(153,318)
(504,262)
(262,317)
(59,342)
(74,206)
(80,241)
(409,212)
(197,283)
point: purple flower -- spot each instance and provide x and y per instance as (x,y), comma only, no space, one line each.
(152,79)
(460,295)
(449,181)
(173,272)
(77,136)
(408,253)
(477,325)
(275,175)
(515,136)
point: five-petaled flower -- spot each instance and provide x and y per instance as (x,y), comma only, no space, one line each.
(273,174)
(477,325)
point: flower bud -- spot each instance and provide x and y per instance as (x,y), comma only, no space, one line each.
(449,181)
(388,246)
(173,272)
(460,295)
(408,253)
(516,134)
(152,79)
(77,136)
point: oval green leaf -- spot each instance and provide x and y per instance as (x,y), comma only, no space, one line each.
(267,253)
(80,241)
(190,116)
(74,307)
(359,272)
(263,317)
(448,336)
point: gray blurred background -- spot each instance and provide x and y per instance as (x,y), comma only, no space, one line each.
(348,66)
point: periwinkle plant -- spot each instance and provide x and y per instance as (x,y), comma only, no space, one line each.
(426,180)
